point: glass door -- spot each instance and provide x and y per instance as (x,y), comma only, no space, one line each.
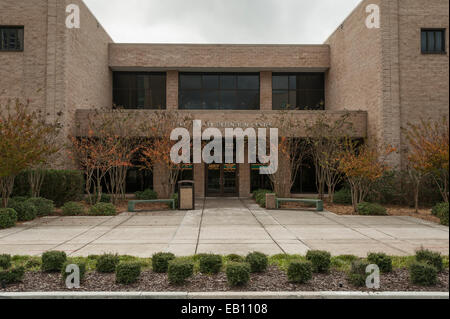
(221,180)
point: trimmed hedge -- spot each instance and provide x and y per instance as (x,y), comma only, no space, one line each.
(238,274)
(383,261)
(103,209)
(5,261)
(44,207)
(179,270)
(60,186)
(11,276)
(8,218)
(128,272)
(104,198)
(235,258)
(73,209)
(107,263)
(371,209)
(147,194)
(343,196)
(160,261)
(52,261)
(320,260)
(441,211)
(81,266)
(260,196)
(423,274)
(258,261)
(357,276)
(210,263)
(25,210)
(431,258)
(299,271)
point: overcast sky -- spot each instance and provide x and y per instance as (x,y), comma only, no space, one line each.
(221,21)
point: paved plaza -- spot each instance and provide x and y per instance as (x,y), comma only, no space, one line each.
(224,226)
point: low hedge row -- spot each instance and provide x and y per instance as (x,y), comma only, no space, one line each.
(260,196)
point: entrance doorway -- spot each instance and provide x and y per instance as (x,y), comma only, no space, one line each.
(222,179)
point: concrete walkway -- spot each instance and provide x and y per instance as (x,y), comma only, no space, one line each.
(224,226)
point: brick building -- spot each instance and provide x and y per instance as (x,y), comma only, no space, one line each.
(386,77)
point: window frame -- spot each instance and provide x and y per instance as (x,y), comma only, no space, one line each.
(434,30)
(220,91)
(21,35)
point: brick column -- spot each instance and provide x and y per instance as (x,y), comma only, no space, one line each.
(199,179)
(172,90)
(244,180)
(265,90)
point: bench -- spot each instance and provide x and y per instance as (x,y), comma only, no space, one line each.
(132,203)
(318,202)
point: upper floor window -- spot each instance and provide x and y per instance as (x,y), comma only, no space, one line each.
(219,91)
(433,41)
(298,91)
(11,38)
(139,90)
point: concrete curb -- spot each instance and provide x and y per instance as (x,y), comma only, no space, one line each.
(226,295)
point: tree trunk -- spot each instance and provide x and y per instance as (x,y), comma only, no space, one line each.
(6,187)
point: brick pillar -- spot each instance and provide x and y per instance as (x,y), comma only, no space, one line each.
(244,180)
(199,179)
(172,90)
(271,201)
(265,90)
(161,181)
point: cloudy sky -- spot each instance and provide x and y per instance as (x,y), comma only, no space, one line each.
(221,21)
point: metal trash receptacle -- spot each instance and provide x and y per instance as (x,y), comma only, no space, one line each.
(186,195)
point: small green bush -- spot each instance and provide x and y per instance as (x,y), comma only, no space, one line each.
(160,261)
(299,271)
(5,261)
(343,196)
(148,194)
(128,272)
(11,276)
(25,210)
(423,274)
(441,211)
(104,198)
(107,263)
(430,257)
(320,260)
(179,270)
(235,258)
(44,207)
(383,261)
(260,196)
(8,218)
(81,266)
(371,209)
(73,209)
(52,261)
(357,276)
(174,197)
(238,274)
(103,209)
(258,261)
(210,264)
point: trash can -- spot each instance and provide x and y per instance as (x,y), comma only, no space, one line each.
(186,195)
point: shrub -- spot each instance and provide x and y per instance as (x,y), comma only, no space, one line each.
(343,196)
(81,266)
(44,207)
(160,261)
(107,263)
(73,209)
(175,197)
(210,264)
(148,194)
(11,276)
(103,209)
(257,261)
(260,196)
(179,270)
(5,261)
(128,272)
(52,261)
(8,217)
(357,276)
(388,189)
(299,271)
(371,209)
(60,186)
(444,216)
(104,198)
(441,211)
(320,260)
(383,261)
(235,258)
(25,210)
(431,258)
(238,274)
(422,274)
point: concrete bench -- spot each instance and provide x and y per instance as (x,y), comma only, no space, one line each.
(318,202)
(132,203)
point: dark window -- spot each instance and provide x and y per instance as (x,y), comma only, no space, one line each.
(433,41)
(11,38)
(133,90)
(219,91)
(300,91)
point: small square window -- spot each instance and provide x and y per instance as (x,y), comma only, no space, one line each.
(433,41)
(11,38)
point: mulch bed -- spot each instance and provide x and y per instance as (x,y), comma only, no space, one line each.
(273,279)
